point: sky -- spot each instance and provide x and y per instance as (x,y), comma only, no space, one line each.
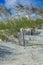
(2,1)
(10,3)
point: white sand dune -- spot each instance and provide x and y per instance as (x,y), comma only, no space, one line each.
(30,55)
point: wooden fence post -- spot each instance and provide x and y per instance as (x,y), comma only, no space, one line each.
(23,38)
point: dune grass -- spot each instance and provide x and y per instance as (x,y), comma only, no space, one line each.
(14,26)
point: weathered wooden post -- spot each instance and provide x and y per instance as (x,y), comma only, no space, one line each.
(23,38)
(18,38)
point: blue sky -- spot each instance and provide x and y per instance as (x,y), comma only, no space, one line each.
(2,1)
(33,2)
(10,3)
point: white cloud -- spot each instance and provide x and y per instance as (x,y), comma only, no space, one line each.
(9,3)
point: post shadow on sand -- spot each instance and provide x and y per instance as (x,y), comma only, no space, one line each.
(5,53)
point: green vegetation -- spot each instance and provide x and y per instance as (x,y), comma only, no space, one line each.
(16,24)
(12,27)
